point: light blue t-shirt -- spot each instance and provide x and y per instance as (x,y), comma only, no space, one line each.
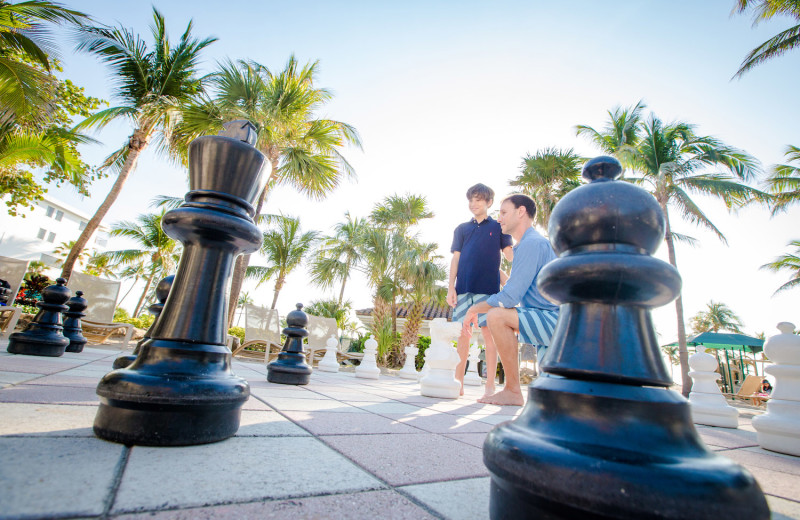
(530,255)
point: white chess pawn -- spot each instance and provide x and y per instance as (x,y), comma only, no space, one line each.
(409,370)
(708,405)
(368,369)
(472,378)
(779,428)
(329,363)
(442,358)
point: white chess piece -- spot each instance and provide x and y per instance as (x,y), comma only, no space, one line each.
(779,428)
(368,369)
(409,370)
(472,378)
(329,363)
(442,359)
(708,405)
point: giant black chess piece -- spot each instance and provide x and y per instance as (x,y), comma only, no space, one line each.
(44,335)
(162,292)
(180,390)
(291,368)
(601,436)
(73,330)
(5,292)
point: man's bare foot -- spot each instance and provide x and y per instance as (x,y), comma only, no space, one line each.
(504,398)
(488,392)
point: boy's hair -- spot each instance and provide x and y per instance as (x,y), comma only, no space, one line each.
(481,191)
(519,199)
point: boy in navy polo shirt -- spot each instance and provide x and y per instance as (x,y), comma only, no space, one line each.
(475,274)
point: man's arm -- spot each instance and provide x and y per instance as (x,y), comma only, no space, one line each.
(528,261)
(451,289)
(472,314)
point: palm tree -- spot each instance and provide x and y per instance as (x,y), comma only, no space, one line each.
(622,131)
(779,44)
(137,271)
(331,309)
(671,161)
(100,264)
(421,270)
(338,255)
(303,149)
(150,84)
(284,248)
(62,250)
(789,262)
(244,299)
(715,318)
(153,244)
(547,176)
(784,181)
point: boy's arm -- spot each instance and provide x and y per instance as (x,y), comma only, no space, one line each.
(508,252)
(451,288)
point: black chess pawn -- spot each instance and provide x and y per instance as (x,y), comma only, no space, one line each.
(601,435)
(162,292)
(180,389)
(44,335)
(5,292)
(72,322)
(291,368)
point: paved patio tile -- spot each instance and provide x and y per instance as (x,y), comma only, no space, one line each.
(491,419)
(727,437)
(427,457)
(48,394)
(385,408)
(474,439)
(333,423)
(61,379)
(253,403)
(775,483)
(456,500)
(368,505)
(267,424)
(765,459)
(44,478)
(46,420)
(243,469)
(783,509)
(21,363)
(442,423)
(17,377)
(341,395)
(319,404)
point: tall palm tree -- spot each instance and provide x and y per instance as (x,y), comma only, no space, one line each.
(715,318)
(136,270)
(621,132)
(784,181)
(303,149)
(284,248)
(547,176)
(789,262)
(100,264)
(151,84)
(338,255)
(153,245)
(779,44)
(62,250)
(331,309)
(671,161)
(422,270)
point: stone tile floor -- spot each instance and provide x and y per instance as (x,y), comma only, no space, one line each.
(338,448)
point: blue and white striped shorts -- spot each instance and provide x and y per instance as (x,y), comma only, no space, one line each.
(464,302)
(536,326)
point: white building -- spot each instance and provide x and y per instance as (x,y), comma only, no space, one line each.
(41,230)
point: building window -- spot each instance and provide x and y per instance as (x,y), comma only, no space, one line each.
(51,237)
(82,226)
(49,260)
(59,215)
(50,210)
(41,234)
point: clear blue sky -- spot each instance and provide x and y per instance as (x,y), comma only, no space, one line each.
(447,94)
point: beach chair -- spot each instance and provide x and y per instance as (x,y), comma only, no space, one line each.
(262,334)
(12,271)
(98,324)
(319,330)
(750,386)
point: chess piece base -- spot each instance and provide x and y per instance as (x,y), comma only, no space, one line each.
(408,374)
(164,399)
(123,361)
(50,345)
(712,410)
(75,345)
(289,369)
(440,383)
(777,429)
(632,449)
(472,379)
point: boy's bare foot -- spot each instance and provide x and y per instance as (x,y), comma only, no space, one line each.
(504,398)
(488,392)
(462,389)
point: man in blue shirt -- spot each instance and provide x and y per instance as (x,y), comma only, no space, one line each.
(475,274)
(535,317)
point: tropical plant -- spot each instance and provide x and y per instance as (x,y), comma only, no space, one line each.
(160,252)
(671,160)
(779,44)
(150,83)
(331,309)
(303,149)
(100,264)
(621,132)
(547,176)
(784,181)
(137,271)
(244,299)
(338,255)
(789,262)
(284,247)
(62,250)
(715,318)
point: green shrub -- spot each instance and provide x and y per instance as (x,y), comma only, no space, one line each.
(423,344)
(27,309)
(121,314)
(238,332)
(142,322)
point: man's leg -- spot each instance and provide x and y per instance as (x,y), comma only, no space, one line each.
(490,353)
(503,323)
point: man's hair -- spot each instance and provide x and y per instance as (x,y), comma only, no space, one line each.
(519,199)
(481,191)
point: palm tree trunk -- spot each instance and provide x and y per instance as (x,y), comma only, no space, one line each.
(137,144)
(683,354)
(341,292)
(136,279)
(144,294)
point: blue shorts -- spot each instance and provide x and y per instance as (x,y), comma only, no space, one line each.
(536,326)
(464,302)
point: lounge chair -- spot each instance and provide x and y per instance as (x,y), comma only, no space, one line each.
(12,271)
(750,386)
(319,330)
(99,325)
(262,330)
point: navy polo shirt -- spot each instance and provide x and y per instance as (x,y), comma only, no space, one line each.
(480,246)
